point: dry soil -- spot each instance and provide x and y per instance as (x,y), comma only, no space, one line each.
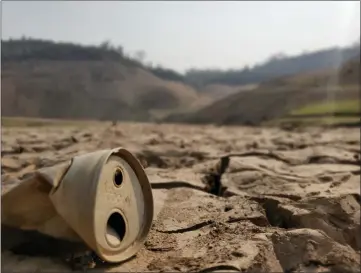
(289,201)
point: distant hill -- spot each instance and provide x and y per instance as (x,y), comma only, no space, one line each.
(277,66)
(219,91)
(62,80)
(276,98)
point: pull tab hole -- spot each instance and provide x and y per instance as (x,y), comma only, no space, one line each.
(116,229)
(118,177)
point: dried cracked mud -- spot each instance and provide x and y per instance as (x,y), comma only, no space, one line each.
(226,198)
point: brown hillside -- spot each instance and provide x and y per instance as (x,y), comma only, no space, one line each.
(206,96)
(88,89)
(220,91)
(276,98)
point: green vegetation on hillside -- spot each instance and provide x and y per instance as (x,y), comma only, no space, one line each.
(332,113)
(341,106)
(324,121)
(37,49)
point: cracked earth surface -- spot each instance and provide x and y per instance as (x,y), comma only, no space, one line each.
(291,201)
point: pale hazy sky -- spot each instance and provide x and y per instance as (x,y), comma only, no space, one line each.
(181,35)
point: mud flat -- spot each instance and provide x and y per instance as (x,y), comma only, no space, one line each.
(226,198)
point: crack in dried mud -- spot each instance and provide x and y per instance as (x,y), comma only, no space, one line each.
(187,229)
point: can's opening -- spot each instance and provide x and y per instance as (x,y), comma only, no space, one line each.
(118,177)
(116,229)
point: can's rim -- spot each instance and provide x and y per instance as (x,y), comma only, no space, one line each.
(148,209)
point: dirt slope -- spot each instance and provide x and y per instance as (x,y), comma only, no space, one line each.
(276,98)
(207,95)
(292,202)
(220,91)
(88,89)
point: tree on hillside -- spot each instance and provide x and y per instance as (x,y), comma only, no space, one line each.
(277,56)
(120,51)
(140,56)
(106,45)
